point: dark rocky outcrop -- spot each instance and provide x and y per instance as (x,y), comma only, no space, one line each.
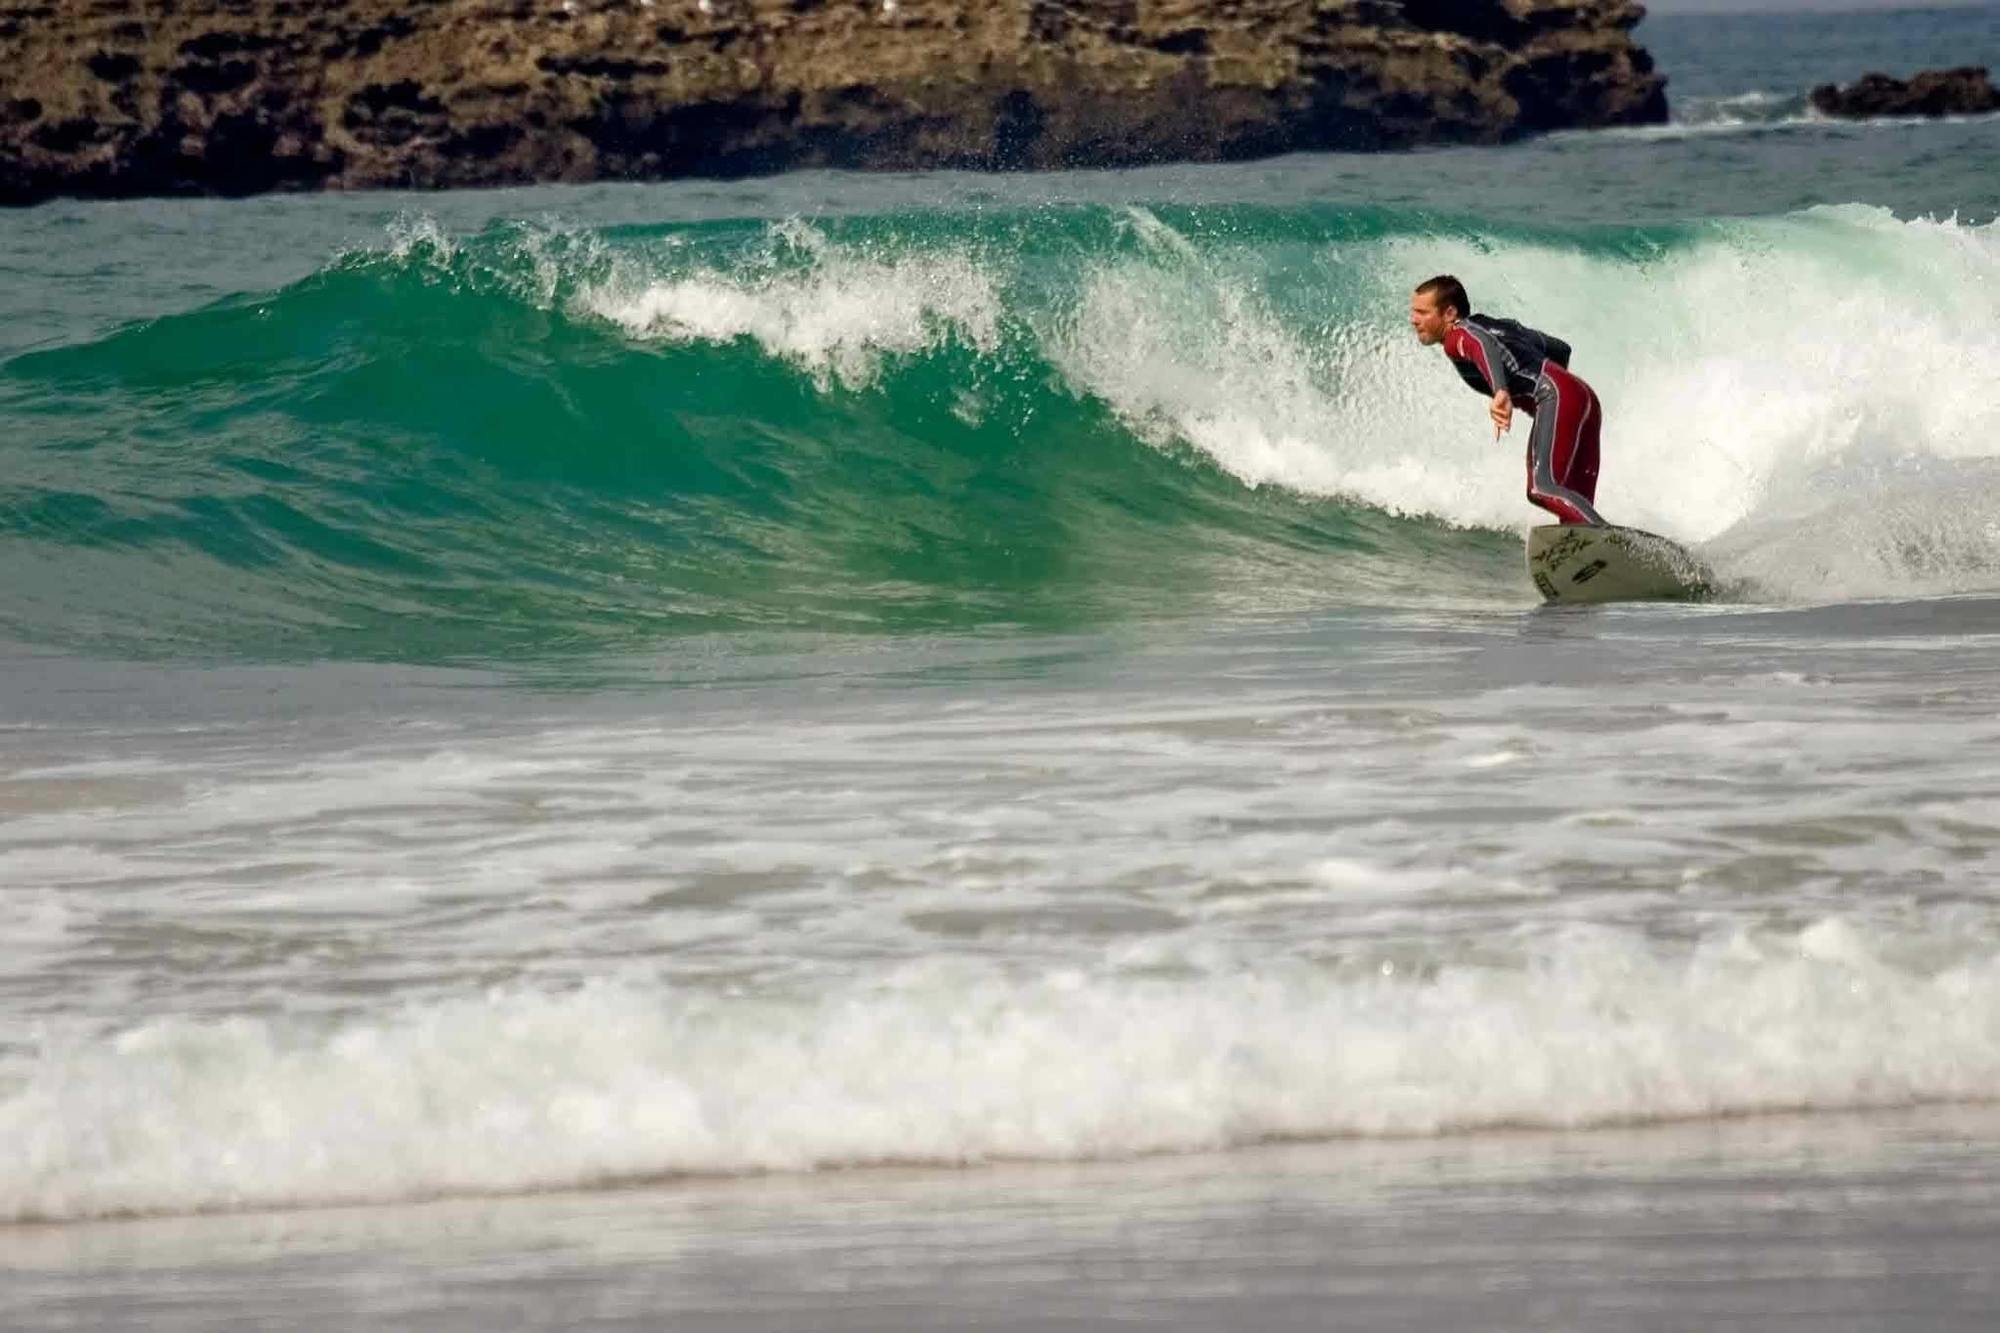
(102,97)
(1965,91)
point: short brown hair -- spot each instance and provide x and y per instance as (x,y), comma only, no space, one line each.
(1447,291)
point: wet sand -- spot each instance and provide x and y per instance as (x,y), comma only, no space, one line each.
(1888,1220)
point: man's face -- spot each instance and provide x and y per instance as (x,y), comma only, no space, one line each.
(1429,321)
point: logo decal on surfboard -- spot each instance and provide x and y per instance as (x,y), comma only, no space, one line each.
(1575,563)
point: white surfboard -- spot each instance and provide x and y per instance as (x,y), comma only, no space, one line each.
(1574,563)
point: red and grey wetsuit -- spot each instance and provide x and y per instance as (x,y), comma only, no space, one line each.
(1490,354)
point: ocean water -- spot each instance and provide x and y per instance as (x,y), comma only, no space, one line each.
(878,751)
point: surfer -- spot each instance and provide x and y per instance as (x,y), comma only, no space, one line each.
(1521,367)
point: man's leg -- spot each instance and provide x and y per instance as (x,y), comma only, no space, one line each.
(1562,448)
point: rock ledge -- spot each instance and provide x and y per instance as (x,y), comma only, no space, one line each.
(106,98)
(1965,91)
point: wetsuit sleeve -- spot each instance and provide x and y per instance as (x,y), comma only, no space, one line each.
(1490,355)
(1463,353)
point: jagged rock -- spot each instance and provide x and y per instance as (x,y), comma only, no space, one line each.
(241,96)
(1963,91)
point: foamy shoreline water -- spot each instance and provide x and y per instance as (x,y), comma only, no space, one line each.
(1099,917)
(1837,1221)
(520,1095)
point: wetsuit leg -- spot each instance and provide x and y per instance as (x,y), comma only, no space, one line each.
(1562,448)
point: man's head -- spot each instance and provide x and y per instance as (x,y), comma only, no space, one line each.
(1435,306)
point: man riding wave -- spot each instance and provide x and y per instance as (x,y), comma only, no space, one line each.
(1517,366)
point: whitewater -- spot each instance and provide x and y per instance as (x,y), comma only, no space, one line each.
(880,752)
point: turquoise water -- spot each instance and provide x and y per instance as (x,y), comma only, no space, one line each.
(539,435)
(540,689)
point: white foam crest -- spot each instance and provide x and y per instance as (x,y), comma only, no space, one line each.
(1732,368)
(420,236)
(962,1063)
(1737,108)
(836,317)
(1186,350)
(546,259)
(1736,113)
(1761,113)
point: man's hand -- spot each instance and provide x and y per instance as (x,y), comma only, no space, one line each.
(1502,413)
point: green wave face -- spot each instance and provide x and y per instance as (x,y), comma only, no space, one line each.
(535,440)
(532,440)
